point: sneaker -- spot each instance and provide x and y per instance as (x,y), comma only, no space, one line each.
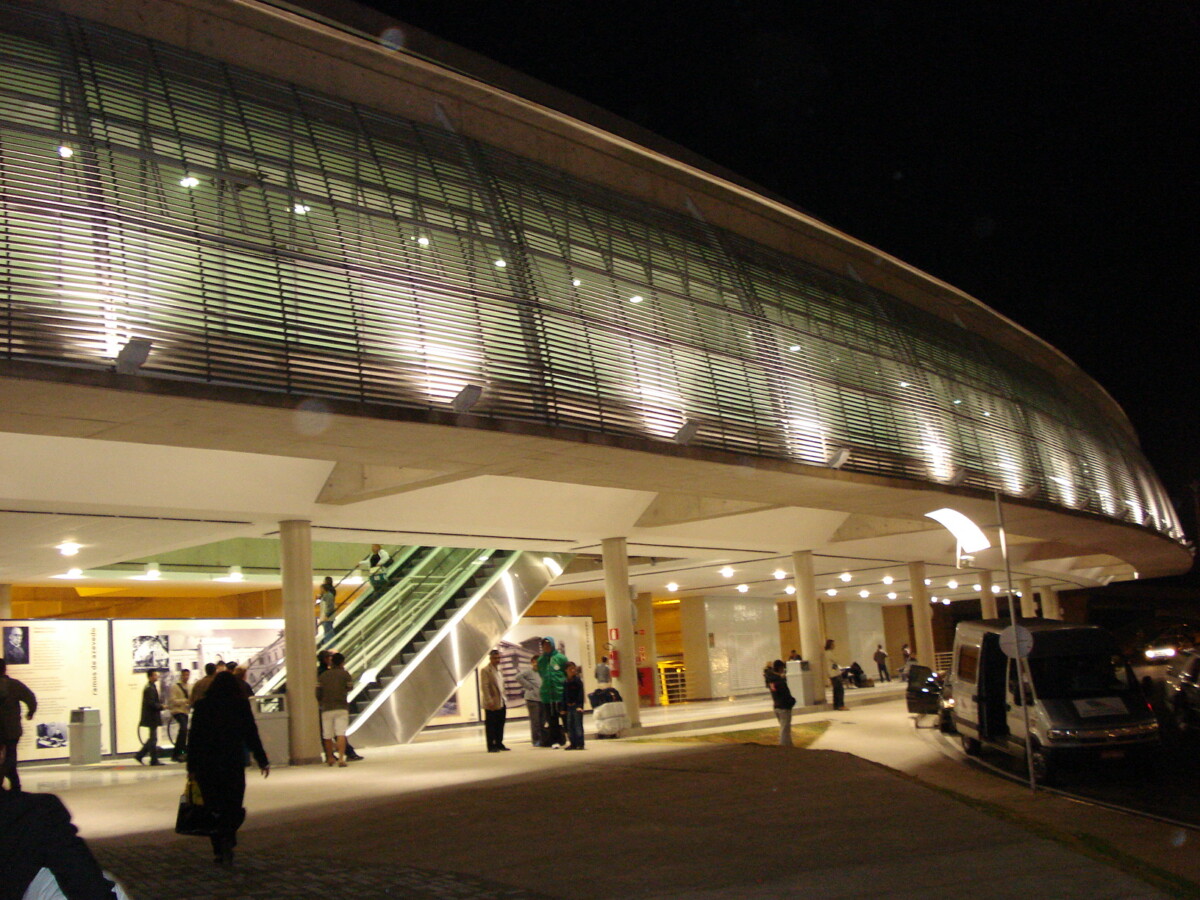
(556,746)
(354,757)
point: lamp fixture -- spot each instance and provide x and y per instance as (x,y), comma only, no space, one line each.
(888,579)
(832,592)
(189,181)
(725,572)
(65,152)
(838,458)
(891,595)
(133,356)
(235,575)
(576,282)
(149,573)
(970,536)
(864,593)
(636,298)
(790,589)
(423,241)
(301,209)
(845,576)
(500,264)
(742,588)
(68,548)
(465,400)
(779,574)
(686,432)
(70,573)
(952,584)
(672,586)
(977,587)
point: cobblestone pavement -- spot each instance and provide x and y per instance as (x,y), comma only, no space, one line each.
(185,871)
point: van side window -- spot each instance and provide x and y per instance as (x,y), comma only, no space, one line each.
(968,663)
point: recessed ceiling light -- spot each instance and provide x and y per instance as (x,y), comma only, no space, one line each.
(576,282)
(500,264)
(301,209)
(790,589)
(977,587)
(672,587)
(65,152)
(952,584)
(888,579)
(70,573)
(795,348)
(189,181)
(726,572)
(742,588)
(928,582)
(636,298)
(423,241)
(891,595)
(68,548)
(864,593)
(845,576)
(832,592)
(945,601)
(904,384)
(779,574)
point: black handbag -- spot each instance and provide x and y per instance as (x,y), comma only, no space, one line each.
(193,816)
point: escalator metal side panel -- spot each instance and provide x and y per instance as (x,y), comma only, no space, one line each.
(459,649)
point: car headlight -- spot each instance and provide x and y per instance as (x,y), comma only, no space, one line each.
(1160,653)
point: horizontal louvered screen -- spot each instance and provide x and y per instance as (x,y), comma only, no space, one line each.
(264,236)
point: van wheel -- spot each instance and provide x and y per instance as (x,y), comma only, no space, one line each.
(1044,769)
(970,746)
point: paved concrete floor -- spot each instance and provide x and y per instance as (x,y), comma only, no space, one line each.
(444,819)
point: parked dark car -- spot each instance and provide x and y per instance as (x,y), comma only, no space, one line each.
(1182,691)
(924,691)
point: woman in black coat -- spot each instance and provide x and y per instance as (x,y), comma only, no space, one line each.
(222,728)
(775,675)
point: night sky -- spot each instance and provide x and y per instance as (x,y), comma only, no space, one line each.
(1042,157)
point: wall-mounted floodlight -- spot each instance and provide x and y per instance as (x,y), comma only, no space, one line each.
(467,398)
(686,432)
(971,538)
(838,458)
(957,477)
(133,356)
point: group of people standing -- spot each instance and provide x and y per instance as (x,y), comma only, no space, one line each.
(554,697)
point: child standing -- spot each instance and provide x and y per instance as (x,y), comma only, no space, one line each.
(573,698)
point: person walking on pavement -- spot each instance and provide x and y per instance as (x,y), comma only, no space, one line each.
(775,676)
(491,685)
(552,667)
(151,719)
(179,703)
(881,658)
(223,728)
(12,694)
(531,684)
(333,692)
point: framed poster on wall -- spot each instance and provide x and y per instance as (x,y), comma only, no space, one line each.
(66,665)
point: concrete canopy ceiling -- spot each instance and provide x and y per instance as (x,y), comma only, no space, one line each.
(130,474)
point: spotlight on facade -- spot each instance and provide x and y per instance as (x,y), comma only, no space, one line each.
(686,432)
(133,356)
(838,458)
(466,399)
(971,538)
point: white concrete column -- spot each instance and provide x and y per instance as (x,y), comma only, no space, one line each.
(987,597)
(6,601)
(646,644)
(618,606)
(808,614)
(1051,608)
(922,618)
(1028,600)
(299,629)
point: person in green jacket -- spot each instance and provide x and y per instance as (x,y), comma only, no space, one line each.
(552,666)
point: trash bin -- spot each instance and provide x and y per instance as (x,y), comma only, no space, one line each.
(801,683)
(84,736)
(270,714)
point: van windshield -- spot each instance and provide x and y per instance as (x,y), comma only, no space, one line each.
(1078,677)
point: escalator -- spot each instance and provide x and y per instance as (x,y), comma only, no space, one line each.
(423,626)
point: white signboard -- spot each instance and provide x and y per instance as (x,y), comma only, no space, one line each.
(173,644)
(65,664)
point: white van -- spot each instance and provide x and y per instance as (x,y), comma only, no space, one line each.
(1084,698)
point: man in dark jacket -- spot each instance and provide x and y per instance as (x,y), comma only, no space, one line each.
(12,694)
(37,840)
(552,666)
(151,718)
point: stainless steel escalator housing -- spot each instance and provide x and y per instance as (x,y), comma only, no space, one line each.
(420,687)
